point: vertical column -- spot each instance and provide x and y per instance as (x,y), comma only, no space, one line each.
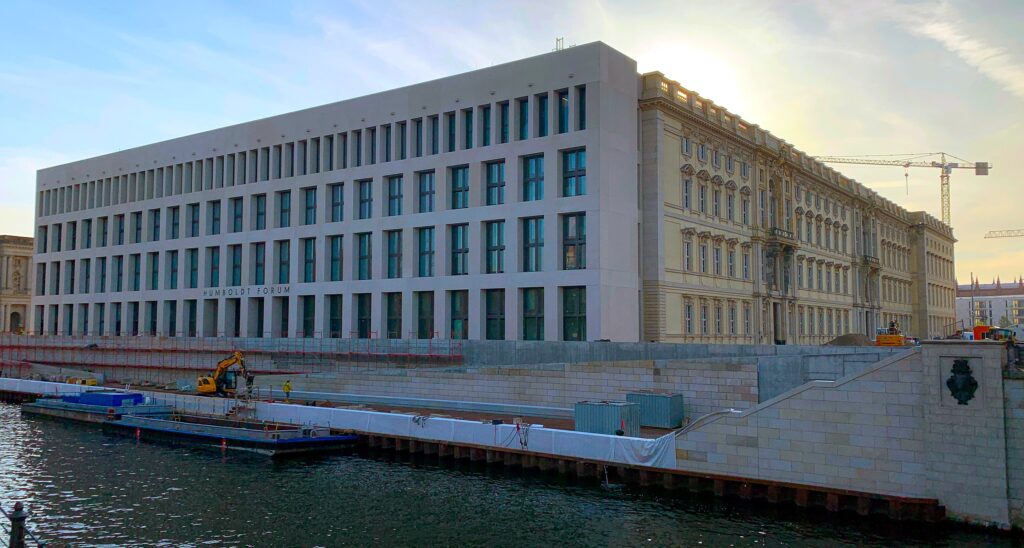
(552,314)
(409,322)
(513,322)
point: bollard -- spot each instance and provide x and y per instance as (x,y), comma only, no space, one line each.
(18,518)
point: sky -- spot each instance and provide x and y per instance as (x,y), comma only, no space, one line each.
(79,79)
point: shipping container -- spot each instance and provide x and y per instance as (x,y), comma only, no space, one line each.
(658,409)
(606,417)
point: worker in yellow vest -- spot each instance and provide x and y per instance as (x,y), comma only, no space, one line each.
(287,388)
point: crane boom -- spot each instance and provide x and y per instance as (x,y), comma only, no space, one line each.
(907,161)
(1004,233)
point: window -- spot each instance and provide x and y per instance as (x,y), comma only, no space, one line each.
(533,244)
(503,114)
(731,263)
(104,226)
(435,138)
(688,317)
(524,119)
(154,228)
(716,203)
(450,122)
(563,111)
(718,260)
(394,243)
(581,108)
(495,183)
(284,209)
(704,319)
(259,259)
(494,309)
(574,172)
(688,256)
(364,255)
(533,178)
(467,128)
(418,133)
(283,261)
(426,191)
(213,209)
(459,250)
(732,318)
(334,309)
(307,305)
(119,229)
(729,207)
(193,268)
(542,115)
(425,314)
(574,241)
(702,195)
(213,280)
(716,158)
(485,114)
(136,230)
(459,314)
(459,179)
(235,251)
(686,146)
(372,138)
(259,207)
(729,164)
(393,315)
(687,194)
(718,319)
(745,206)
(363,315)
(495,233)
(395,195)
(309,206)
(425,251)
(744,170)
(703,258)
(337,192)
(236,214)
(574,313)
(702,152)
(365,199)
(533,314)
(101,273)
(334,257)
(308,260)
(387,143)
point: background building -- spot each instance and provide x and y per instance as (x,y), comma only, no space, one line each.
(990,304)
(15,283)
(515,202)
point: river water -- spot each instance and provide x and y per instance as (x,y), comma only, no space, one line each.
(87,488)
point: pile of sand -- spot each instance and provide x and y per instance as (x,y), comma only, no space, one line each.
(851,339)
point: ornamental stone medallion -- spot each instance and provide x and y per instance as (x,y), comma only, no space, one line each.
(961,383)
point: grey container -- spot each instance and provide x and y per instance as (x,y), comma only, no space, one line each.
(605,417)
(658,409)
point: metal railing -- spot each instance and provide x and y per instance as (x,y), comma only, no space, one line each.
(780,233)
(14,531)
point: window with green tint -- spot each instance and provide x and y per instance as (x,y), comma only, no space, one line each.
(459,314)
(337,191)
(574,241)
(214,216)
(236,264)
(214,256)
(533,178)
(284,209)
(524,119)
(574,313)
(334,252)
(533,244)
(193,269)
(533,314)
(459,250)
(495,233)
(308,260)
(574,172)
(563,111)
(363,315)
(283,261)
(394,242)
(393,315)
(309,206)
(467,129)
(581,107)
(259,259)
(426,191)
(260,211)
(364,255)
(494,303)
(460,187)
(485,114)
(365,199)
(503,114)
(542,115)
(308,305)
(496,183)
(435,137)
(424,314)
(236,214)
(334,318)
(425,251)
(449,119)
(395,195)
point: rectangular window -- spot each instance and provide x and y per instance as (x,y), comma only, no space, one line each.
(387,143)
(450,122)
(393,315)
(173,232)
(371,136)
(563,111)
(574,241)
(365,199)
(284,209)
(364,255)
(136,230)
(503,125)
(213,280)
(704,319)
(307,304)
(688,256)
(687,147)
(533,314)
(485,115)
(119,229)
(574,172)
(495,182)
(154,227)
(394,242)
(259,211)
(459,180)
(688,313)
(703,258)
(524,119)
(236,214)
(337,191)
(104,227)
(459,314)
(236,264)
(581,108)
(574,313)
(418,137)
(308,260)
(731,263)
(702,195)
(435,138)
(425,251)
(363,315)
(687,194)
(193,267)
(309,206)
(101,273)
(425,314)
(533,244)
(426,191)
(334,317)
(259,259)
(459,250)
(718,261)
(542,115)
(533,178)
(213,207)
(467,128)
(716,203)
(494,309)
(746,266)
(495,233)
(745,203)
(283,261)
(334,254)
(402,140)
(394,195)
(729,209)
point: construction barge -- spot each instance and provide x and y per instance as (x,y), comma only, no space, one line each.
(133,415)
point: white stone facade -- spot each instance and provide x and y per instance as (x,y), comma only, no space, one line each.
(207,250)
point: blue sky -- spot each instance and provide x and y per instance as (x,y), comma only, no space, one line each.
(79,79)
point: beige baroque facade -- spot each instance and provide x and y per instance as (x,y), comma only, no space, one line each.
(746,239)
(15,286)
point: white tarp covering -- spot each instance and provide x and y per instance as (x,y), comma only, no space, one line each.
(43,387)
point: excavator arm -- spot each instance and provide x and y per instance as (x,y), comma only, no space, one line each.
(214,384)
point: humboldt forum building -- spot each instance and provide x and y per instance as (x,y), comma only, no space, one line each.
(559,197)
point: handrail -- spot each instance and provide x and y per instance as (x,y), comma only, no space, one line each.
(19,514)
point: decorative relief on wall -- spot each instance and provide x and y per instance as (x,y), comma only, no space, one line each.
(962,383)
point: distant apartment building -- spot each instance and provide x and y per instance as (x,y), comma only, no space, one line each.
(995,303)
(15,283)
(560,197)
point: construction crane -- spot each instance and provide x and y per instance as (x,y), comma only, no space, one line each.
(1004,233)
(908,161)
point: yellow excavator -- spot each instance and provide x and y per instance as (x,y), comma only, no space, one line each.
(224,382)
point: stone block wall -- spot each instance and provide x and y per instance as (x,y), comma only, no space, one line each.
(1013,391)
